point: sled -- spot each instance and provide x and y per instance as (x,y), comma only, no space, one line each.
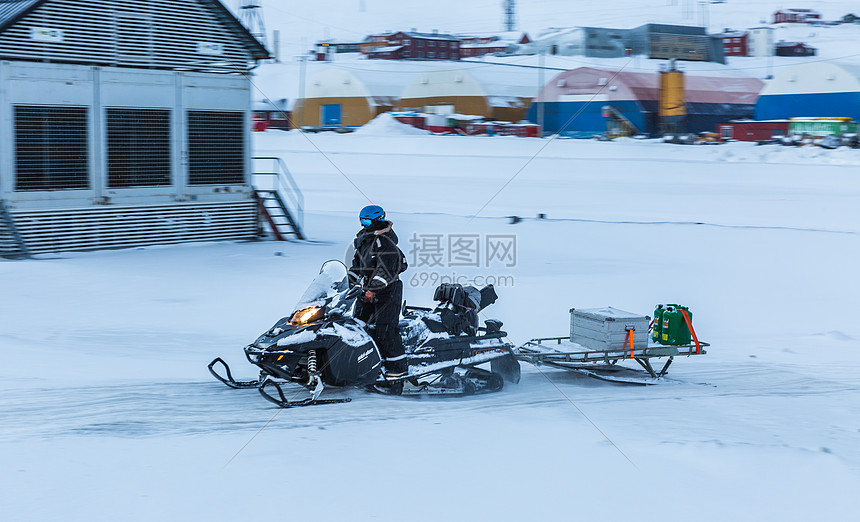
(560,352)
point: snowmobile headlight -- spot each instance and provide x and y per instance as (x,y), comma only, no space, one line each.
(305,315)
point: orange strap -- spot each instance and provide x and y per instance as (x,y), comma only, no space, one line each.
(693,332)
(630,337)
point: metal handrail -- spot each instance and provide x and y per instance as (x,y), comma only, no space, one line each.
(283,182)
(9,221)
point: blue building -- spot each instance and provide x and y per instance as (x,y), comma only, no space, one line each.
(820,89)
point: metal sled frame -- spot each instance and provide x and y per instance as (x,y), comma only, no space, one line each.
(585,361)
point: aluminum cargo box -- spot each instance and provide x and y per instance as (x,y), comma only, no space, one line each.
(606,328)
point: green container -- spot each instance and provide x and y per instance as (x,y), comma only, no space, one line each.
(674,329)
(667,323)
(658,323)
(682,334)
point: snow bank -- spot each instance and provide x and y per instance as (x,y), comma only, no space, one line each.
(386,125)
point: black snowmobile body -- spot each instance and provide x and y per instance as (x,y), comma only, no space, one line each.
(322,344)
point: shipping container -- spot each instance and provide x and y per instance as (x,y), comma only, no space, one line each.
(822,126)
(752,130)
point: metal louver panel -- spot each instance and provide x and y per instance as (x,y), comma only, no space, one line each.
(51,151)
(138,147)
(216,147)
(98,228)
(168,34)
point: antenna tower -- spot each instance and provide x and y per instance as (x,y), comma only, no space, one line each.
(251,14)
(510,15)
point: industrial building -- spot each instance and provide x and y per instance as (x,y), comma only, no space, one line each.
(676,42)
(819,89)
(124,123)
(349,96)
(572,102)
(493,91)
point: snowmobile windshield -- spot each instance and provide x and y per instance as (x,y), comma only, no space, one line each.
(328,283)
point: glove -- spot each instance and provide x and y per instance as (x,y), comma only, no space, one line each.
(369,297)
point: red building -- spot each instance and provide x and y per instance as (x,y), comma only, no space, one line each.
(794,49)
(735,43)
(488,44)
(418,46)
(796,16)
(752,130)
(470,47)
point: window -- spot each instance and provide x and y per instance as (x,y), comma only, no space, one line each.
(406,41)
(51,148)
(138,147)
(431,54)
(453,45)
(443,55)
(420,54)
(431,43)
(406,54)
(216,147)
(420,43)
(726,132)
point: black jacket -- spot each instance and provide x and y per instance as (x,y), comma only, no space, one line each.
(378,261)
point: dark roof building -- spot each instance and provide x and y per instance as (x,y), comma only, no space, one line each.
(188,35)
(794,49)
(681,42)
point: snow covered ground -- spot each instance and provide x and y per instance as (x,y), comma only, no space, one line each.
(107,411)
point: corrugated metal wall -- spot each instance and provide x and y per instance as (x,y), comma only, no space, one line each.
(164,34)
(98,228)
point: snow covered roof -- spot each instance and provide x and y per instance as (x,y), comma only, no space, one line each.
(608,84)
(490,45)
(433,36)
(388,49)
(815,77)
(475,79)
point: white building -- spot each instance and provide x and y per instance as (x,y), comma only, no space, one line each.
(760,41)
(124,122)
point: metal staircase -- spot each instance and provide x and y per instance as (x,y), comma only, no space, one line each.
(280,202)
(616,124)
(12,245)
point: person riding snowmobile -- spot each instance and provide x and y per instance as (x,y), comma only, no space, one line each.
(376,267)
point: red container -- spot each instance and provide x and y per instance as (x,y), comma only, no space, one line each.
(416,120)
(752,130)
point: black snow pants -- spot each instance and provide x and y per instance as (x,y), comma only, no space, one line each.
(384,315)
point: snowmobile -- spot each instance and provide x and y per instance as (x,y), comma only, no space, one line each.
(322,344)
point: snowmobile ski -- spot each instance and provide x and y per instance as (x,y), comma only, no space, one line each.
(229,380)
(282,401)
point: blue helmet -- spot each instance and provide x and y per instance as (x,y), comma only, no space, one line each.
(371,214)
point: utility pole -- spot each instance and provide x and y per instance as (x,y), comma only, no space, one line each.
(303,58)
(540,107)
